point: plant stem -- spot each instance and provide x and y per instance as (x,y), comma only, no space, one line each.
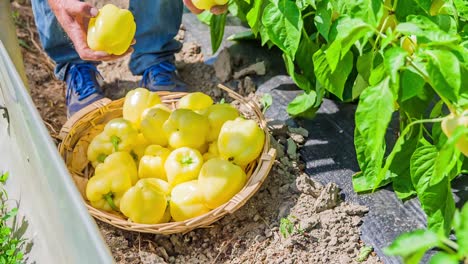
(307,15)
(451,244)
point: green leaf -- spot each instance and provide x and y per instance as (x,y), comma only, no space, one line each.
(436,200)
(460,224)
(443,68)
(254,15)
(333,81)
(364,253)
(283,24)
(266,101)
(217,24)
(205,17)
(323,18)
(411,84)
(412,246)
(349,30)
(303,105)
(443,258)
(373,115)
(4,177)
(395,59)
(364,64)
(424,28)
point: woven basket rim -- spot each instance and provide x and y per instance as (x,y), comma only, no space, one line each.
(258,172)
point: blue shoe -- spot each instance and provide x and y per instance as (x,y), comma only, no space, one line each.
(83,87)
(162,77)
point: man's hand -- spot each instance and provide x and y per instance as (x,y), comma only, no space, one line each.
(74,16)
(217,10)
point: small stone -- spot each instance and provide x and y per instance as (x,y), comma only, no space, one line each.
(223,66)
(256,217)
(150,258)
(299,130)
(328,198)
(333,241)
(356,221)
(344,259)
(292,149)
(277,128)
(268,233)
(355,209)
(306,185)
(258,68)
(297,138)
(307,224)
(260,238)
(283,189)
(279,148)
(246,86)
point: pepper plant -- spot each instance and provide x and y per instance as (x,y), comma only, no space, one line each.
(396,58)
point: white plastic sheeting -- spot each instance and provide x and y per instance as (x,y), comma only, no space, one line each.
(57,224)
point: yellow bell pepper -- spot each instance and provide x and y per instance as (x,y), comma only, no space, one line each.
(118,135)
(152,163)
(212,151)
(195,101)
(136,101)
(110,181)
(146,202)
(219,181)
(121,163)
(138,150)
(152,122)
(183,164)
(217,115)
(240,141)
(112,30)
(187,201)
(208,4)
(185,128)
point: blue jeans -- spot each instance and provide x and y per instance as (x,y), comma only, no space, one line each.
(158,22)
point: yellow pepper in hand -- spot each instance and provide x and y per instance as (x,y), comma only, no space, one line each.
(146,202)
(152,163)
(137,101)
(152,122)
(112,30)
(217,115)
(219,181)
(187,201)
(185,128)
(240,141)
(118,135)
(208,4)
(183,164)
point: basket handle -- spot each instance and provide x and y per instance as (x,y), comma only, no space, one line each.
(78,115)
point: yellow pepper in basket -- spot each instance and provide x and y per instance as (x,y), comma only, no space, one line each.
(219,181)
(240,141)
(118,135)
(112,30)
(187,201)
(137,101)
(217,115)
(183,164)
(152,163)
(110,181)
(185,128)
(152,122)
(146,202)
(195,101)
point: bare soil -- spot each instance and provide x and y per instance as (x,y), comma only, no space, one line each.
(292,219)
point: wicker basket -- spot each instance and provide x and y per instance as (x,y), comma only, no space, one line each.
(88,122)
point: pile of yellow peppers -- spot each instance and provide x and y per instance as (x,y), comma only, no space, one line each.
(156,164)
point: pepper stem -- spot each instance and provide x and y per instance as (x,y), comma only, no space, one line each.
(187,160)
(115,140)
(101,157)
(110,200)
